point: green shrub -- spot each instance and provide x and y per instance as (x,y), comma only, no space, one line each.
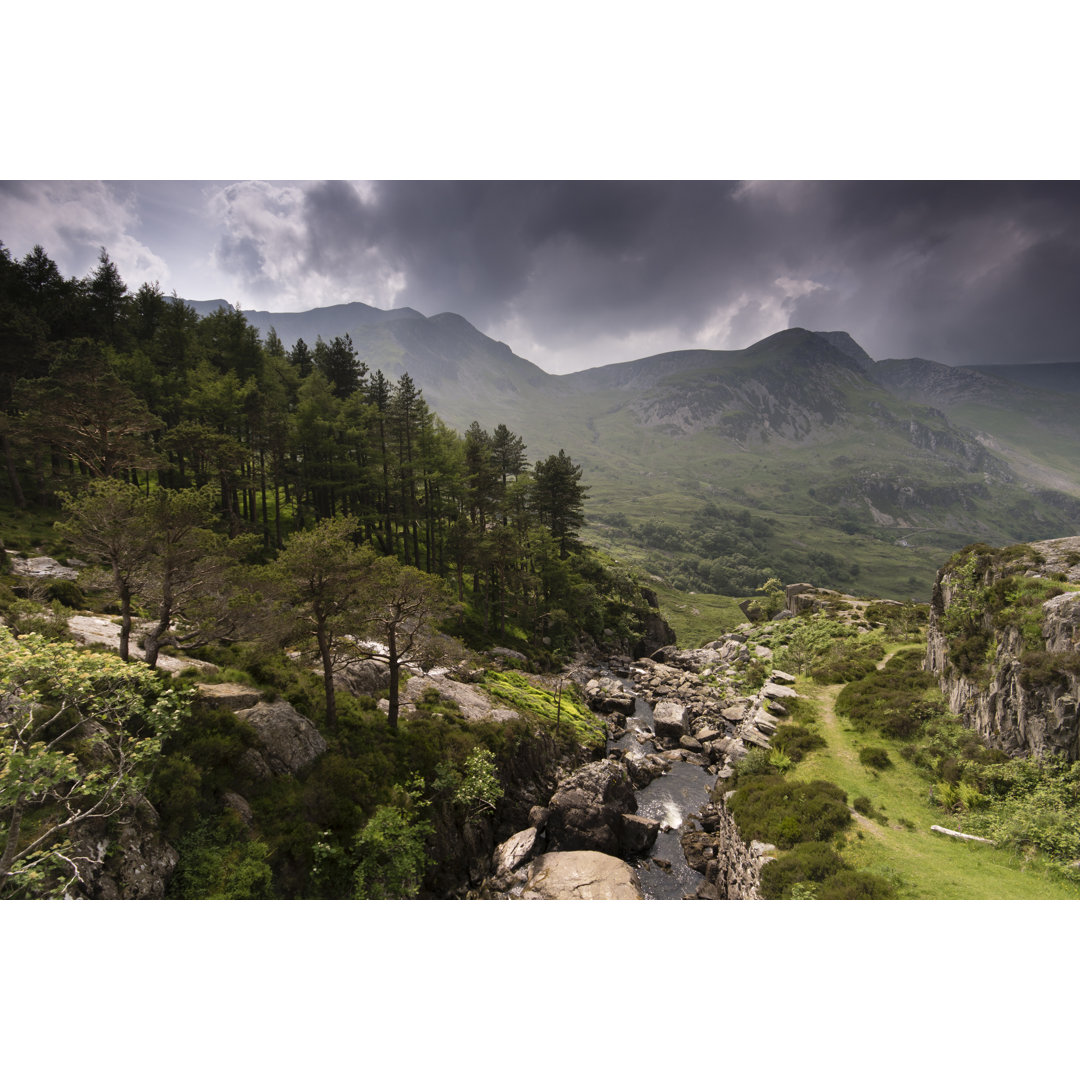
(755,763)
(218,861)
(48,620)
(779,761)
(899,700)
(1039,668)
(796,740)
(815,862)
(856,885)
(390,855)
(67,593)
(875,757)
(830,651)
(863,805)
(782,813)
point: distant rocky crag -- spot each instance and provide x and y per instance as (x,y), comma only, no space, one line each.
(1004,640)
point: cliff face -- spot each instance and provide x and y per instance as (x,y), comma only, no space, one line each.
(1004,640)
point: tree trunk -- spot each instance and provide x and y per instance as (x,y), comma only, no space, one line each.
(12,845)
(125,620)
(13,476)
(328,679)
(395,679)
(153,639)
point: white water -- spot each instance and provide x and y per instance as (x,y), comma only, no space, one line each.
(669,799)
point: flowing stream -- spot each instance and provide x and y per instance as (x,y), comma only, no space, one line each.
(669,799)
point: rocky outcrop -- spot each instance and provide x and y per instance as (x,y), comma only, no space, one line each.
(511,854)
(655,632)
(234,696)
(42,566)
(1011,672)
(588,808)
(580,875)
(101,630)
(362,677)
(475,705)
(288,743)
(123,857)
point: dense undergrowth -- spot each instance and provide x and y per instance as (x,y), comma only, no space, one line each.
(367,819)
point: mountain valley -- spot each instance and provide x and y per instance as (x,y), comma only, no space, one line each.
(798,457)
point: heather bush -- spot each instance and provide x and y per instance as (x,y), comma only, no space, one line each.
(796,741)
(875,757)
(787,813)
(814,862)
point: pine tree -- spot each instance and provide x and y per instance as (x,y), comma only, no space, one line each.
(559,498)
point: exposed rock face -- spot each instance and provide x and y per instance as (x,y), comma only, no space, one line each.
(580,875)
(288,742)
(362,677)
(41,566)
(587,809)
(124,857)
(475,705)
(1023,701)
(510,855)
(101,630)
(655,632)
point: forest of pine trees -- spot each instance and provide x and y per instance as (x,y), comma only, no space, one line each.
(97,382)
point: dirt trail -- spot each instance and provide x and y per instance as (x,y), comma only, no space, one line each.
(825,697)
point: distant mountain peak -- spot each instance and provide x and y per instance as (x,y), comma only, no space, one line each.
(845,343)
(800,346)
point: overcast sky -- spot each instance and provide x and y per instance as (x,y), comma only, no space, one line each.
(579,274)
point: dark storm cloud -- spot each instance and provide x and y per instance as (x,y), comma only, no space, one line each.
(566,257)
(574,273)
(957,272)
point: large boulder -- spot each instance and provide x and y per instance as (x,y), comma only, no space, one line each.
(581,875)
(234,696)
(669,720)
(288,742)
(511,854)
(778,692)
(42,566)
(587,809)
(639,833)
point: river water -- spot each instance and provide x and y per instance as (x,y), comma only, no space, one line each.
(670,799)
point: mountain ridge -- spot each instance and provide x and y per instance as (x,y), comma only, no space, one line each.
(798,456)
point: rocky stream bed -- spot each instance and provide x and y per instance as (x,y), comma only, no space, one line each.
(677,722)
